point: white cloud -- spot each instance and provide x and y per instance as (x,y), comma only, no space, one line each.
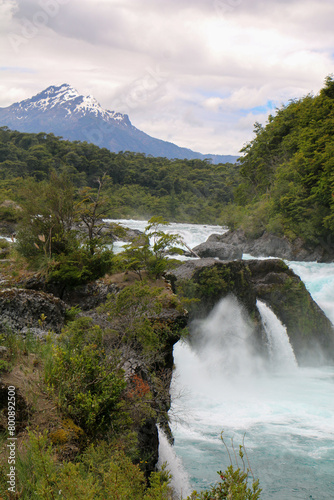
(190,72)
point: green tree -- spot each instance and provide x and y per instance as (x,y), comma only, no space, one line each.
(91,209)
(48,235)
(47,217)
(150,251)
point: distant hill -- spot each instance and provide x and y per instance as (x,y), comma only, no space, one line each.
(64,112)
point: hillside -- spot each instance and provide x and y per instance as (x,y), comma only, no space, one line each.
(64,112)
(141,186)
(286,184)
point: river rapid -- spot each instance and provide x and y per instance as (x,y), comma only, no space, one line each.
(284,414)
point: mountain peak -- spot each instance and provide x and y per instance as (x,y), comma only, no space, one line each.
(64,100)
(61,110)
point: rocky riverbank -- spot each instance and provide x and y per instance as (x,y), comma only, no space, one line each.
(233,244)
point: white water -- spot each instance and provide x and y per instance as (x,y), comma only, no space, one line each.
(280,350)
(287,414)
(192,234)
(167,455)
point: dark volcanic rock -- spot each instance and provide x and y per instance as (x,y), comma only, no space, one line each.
(269,245)
(148,443)
(223,251)
(23,309)
(307,325)
(86,296)
(186,270)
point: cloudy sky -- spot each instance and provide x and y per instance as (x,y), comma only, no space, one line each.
(198,73)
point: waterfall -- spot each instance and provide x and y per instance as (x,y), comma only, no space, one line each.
(224,341)
(180,481)
(221,383)
(281,353)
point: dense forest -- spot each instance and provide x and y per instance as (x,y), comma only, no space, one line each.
(141,186)
(286,183)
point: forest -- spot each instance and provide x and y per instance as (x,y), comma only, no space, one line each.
(286,183)
(140,186)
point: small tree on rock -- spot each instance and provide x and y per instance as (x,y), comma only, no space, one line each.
(150,251)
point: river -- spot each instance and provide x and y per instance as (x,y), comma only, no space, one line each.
(284,415)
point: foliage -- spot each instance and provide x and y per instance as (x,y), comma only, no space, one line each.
(80,266)
(5,248)
(91,391)
(132,313)
(287,172)
(141,186)
(47,217)
(16,346)
(205,286)
(90,210)
(101,472)
(48,236)
(149,251)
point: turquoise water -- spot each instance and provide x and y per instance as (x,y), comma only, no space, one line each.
(286,416)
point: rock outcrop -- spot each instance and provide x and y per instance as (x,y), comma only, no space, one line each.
(270,281)
(35,309)
(87,296)
(233,244)
(24,310)
(223,251)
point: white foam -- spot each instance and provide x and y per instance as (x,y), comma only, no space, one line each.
(167,455)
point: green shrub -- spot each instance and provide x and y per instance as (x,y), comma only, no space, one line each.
(133,313)
(233,485)
(4,244)
(8,214)
(101,472)
(86,381)
(4,248)
(80,266)
(149,251)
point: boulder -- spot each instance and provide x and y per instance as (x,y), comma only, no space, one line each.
(223,251)
(269,245)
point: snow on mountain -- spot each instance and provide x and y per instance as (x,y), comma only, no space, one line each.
(64,112)
(69,100)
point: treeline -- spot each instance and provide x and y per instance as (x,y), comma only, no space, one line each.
(287,172)
(141,186)
(283,182)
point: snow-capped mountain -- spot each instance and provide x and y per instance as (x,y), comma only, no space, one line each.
(64,112)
